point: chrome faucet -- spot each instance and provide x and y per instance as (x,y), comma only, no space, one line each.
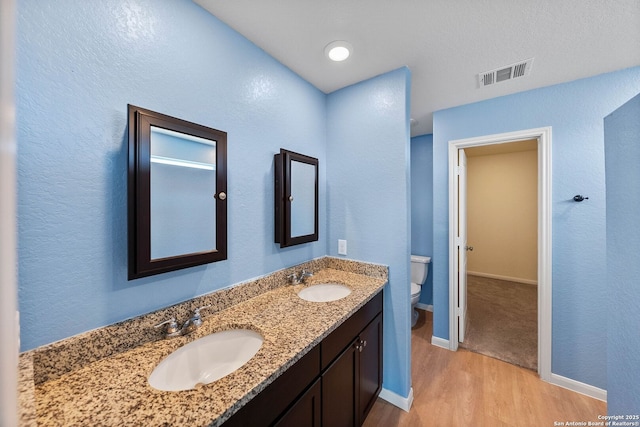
(296,279)
(193,323)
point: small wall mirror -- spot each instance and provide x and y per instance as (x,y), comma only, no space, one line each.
(296,198)
(177,182)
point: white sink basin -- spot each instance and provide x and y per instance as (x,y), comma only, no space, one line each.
(205,360)
(324,292)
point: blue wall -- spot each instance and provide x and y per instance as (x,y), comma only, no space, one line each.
(622,157)
(78,65)
(368,197)
(575,111)
(422,206)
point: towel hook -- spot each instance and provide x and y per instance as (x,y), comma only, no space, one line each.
(579,198)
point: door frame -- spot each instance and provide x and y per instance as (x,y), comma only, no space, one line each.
(543,136)
(9,332)
(460,252)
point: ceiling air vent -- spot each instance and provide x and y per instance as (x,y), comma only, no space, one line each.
(502,74)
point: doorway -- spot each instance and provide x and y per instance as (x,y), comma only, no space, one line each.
(502,227)
(458,240)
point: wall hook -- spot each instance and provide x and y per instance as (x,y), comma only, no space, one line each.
(579,198)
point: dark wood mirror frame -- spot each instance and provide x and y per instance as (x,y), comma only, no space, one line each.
(139,193)
(283,210)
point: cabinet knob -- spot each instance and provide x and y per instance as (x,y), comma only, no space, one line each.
(221,195)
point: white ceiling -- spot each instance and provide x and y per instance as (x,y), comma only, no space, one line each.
(445,43)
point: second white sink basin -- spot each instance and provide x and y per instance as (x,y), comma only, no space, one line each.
(324,292)
(205,360)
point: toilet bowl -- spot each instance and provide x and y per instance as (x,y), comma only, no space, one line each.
(419,272)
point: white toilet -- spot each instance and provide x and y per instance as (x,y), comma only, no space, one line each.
(419,272)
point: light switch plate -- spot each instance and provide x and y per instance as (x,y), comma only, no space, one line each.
(342,247)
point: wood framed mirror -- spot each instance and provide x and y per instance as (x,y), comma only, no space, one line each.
(177,201)
(296,198)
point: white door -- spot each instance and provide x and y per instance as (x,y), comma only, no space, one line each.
(545,285)
(462,243)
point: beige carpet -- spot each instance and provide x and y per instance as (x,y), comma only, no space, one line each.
(502,320)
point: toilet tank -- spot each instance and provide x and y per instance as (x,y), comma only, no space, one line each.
(419,268)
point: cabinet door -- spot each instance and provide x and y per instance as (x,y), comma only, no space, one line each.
(370,367)
(273,401)
(305,411)
(339,388)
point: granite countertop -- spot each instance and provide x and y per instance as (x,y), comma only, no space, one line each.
(114,390)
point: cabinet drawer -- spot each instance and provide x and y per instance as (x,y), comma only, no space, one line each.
(339,339)
(263,409)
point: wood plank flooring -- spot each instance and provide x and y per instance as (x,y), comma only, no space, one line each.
(460,389)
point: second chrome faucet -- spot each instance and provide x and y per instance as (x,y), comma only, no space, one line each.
(296,279)
(193,323)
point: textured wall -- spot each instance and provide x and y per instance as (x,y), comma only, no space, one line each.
(78,65)
(368,198)
(422,206)
(502,214)
(575,111)
(622,156)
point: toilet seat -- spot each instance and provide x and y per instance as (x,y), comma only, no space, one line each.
(415,289)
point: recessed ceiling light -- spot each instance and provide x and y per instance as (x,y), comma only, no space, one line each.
(338,50)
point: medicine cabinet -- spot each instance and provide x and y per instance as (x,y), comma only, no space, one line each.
(177,201)
(296,198)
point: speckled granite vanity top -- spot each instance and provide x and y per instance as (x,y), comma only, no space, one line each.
(114,391)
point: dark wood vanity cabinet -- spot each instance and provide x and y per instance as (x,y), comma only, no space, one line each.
(339,390)
(306,410)
(335,384)
(351,384)
(370,359)
(284,399)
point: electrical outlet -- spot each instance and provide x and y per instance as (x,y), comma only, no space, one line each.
(342,247)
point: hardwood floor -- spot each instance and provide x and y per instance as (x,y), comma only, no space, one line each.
(463,389)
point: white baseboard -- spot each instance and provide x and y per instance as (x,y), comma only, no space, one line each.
(578,387)
(440,342)
(507,278)
(426,307)
(395,399)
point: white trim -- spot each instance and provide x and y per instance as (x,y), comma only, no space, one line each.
(8,281)
(440,342)
(395,399)
(578,387)
(543,135)
(545,280)
(453,253)
(425,307)
(499,277)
